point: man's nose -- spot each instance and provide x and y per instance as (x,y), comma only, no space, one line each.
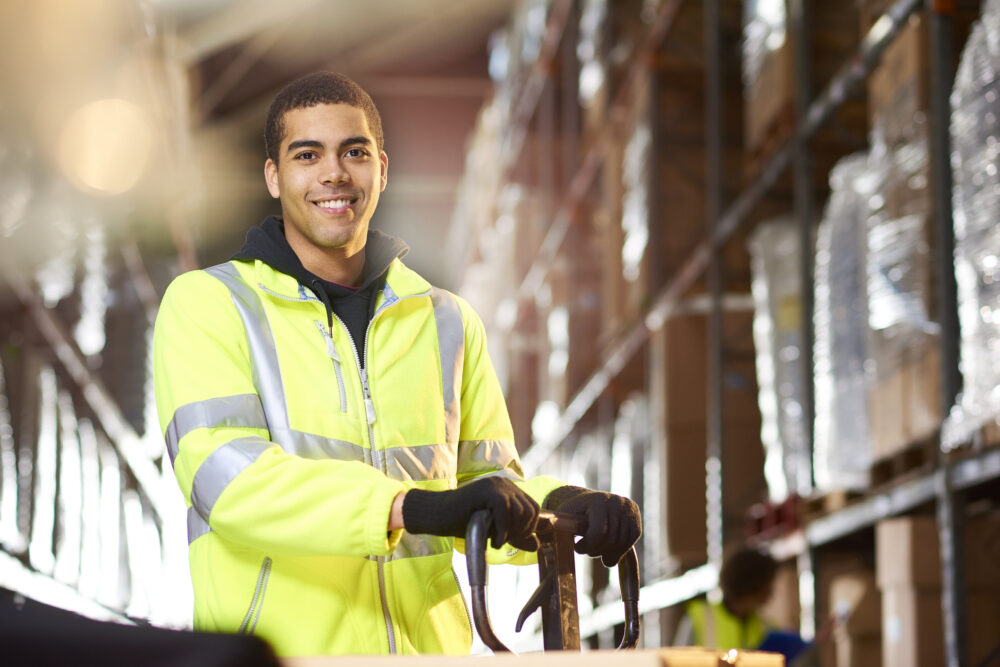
(334,172)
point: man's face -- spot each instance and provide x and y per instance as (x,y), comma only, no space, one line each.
(328,177)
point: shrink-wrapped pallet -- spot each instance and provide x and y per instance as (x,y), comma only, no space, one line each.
(842,447)
(975,131)
(777,333)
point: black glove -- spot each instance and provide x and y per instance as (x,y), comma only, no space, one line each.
(513,513)
(613,522)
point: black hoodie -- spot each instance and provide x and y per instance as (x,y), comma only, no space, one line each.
(353,306)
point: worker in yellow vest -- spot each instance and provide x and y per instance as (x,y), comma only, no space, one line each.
(746,581)
(333,419)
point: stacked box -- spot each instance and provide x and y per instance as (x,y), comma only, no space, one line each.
(903,330)
(898,87)
(856,606)
(775,251)
(842,449)
(678,391)
(975,131)
(908,571)
(768,72)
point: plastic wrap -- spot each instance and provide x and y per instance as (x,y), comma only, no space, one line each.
(777,334)
(763,31)
(975,131)
(842,450)
(899,263)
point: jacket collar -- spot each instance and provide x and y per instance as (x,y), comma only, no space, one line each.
(278,269)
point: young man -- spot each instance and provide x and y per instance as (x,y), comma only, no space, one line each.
(333,420)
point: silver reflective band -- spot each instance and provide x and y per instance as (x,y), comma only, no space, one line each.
(263,354)
(220,468)
(417,546)
(485,456)
(312,446)
(196,526)
(239,411)
(420,462)
(451,342)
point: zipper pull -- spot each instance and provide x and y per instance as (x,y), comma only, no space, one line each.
(330,349)
(369,406)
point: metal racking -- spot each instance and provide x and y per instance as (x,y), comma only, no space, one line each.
(947,486)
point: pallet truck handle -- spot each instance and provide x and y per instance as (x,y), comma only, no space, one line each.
(475,552)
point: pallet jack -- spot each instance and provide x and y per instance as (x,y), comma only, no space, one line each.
(556,592)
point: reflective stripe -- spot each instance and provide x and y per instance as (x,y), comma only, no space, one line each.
(417,546)
(451,342)
(312,446)
(484,456)
(263,353)
(220,468)
(423,462)
(239,411)
(196,526)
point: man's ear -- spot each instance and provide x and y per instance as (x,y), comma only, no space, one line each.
(271,177)
(384,159)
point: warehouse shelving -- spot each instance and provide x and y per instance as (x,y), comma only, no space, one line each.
(944,486)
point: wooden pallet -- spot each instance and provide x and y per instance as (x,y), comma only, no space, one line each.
(918,458)
(830,502)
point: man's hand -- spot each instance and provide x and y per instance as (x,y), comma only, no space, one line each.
(613,522)
(514,514)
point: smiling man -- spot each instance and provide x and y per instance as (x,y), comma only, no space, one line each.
(333,420)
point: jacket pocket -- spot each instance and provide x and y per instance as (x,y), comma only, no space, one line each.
(249,623)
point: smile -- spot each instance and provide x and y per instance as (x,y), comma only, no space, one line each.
(335,205)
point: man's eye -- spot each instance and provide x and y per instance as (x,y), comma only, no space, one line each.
(306,155)
(357,152)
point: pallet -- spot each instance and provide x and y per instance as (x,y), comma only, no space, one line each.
(830,502)
(915,459)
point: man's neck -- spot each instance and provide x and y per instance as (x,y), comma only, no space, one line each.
(334,265)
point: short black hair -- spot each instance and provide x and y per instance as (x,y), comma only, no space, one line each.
(314,89)
(746,572)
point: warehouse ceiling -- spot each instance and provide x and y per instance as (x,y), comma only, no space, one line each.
(148,115)
(424,62)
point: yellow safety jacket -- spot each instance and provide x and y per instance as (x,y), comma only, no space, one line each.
(715,627)
(289,456)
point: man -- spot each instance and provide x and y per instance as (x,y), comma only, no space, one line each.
(333,420)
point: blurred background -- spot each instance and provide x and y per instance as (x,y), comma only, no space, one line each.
(736,260)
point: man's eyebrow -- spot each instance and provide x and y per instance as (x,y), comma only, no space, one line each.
(303,143)
(355,141)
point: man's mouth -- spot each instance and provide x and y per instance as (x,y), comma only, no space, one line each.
(340,205)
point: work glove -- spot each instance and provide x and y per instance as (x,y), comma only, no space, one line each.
(513,513)
(613,522)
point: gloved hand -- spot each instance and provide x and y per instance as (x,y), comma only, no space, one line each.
(514,514)
(613,522)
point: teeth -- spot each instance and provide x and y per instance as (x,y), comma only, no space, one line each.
(335,203)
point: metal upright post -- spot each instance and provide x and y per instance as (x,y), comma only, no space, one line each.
(950,504)
(798,33)
(713,208)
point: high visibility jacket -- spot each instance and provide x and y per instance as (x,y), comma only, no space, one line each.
(289,456)
(715,627)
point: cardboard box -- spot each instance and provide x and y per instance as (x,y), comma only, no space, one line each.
(907,552)
(897,88)
(771,97)
(912,632)
(857,651)
(671,657)
(856,604)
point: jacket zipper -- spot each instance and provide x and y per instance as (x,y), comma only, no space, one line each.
(258,596)
(377,461)
(332,351)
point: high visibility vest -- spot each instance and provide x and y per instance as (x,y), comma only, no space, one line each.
(289,454)
(715,627)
